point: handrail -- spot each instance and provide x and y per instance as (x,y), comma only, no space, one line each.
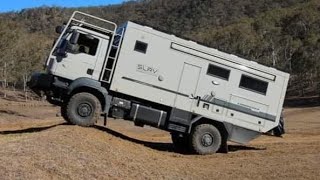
(116,55)
(93,26)
(104,69)
(73,17)
(95,18)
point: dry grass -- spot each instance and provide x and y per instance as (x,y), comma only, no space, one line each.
(35,144)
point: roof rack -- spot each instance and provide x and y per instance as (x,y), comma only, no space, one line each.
(93,22)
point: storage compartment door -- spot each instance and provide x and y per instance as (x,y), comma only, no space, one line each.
(187,87)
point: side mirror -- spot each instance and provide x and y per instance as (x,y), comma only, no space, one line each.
(59,29)
(61,51)
(74,37)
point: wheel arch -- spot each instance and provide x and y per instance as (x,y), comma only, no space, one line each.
(90,86)
(204,120)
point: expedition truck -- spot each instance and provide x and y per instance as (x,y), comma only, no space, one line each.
(203,96)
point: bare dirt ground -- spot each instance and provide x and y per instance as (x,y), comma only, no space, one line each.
(35,144)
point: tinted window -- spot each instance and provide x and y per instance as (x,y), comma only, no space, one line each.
(86,44)
(253,84)
(218,72)
(141,47)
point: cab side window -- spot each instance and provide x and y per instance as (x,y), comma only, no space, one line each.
(87,44)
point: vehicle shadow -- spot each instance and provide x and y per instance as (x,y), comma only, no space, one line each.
(169,147)
(159,146)
(153,145)
(234,148)
(30,130)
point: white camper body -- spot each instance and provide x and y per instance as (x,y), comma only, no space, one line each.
(203,96)
(190,77)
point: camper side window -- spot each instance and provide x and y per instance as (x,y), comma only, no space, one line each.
(141,47)
(219,72)
(254,84)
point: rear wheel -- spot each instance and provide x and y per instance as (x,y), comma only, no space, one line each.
(83,109)
(205,139)
(279,130)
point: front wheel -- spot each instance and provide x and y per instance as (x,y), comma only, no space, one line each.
(83,109)
(205,139)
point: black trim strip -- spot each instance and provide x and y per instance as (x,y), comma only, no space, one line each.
(222,59)
(240,108)
(215,101)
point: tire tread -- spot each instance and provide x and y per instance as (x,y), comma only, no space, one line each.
(97,112)
(198,130)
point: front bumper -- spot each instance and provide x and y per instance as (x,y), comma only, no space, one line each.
(40,82)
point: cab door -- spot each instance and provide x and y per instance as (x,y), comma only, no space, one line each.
(82,59)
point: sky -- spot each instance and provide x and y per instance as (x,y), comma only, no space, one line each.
(16,5)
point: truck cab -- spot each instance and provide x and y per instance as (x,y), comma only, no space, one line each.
(79,53)
(84,52)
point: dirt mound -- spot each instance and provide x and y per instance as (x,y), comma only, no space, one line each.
(47,148)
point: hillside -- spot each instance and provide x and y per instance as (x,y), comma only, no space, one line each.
(281,33)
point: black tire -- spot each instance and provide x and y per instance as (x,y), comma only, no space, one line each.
(83,109)
(205,139)
(180,143)
(279,130)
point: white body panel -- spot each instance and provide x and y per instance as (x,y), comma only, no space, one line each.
(161,75)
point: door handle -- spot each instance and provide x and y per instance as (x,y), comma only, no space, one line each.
(198,98)
(191,96)
(215,83)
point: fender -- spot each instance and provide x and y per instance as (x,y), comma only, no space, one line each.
(219,124)
(194,120)
(84,82)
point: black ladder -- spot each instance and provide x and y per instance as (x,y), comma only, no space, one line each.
(112,56)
